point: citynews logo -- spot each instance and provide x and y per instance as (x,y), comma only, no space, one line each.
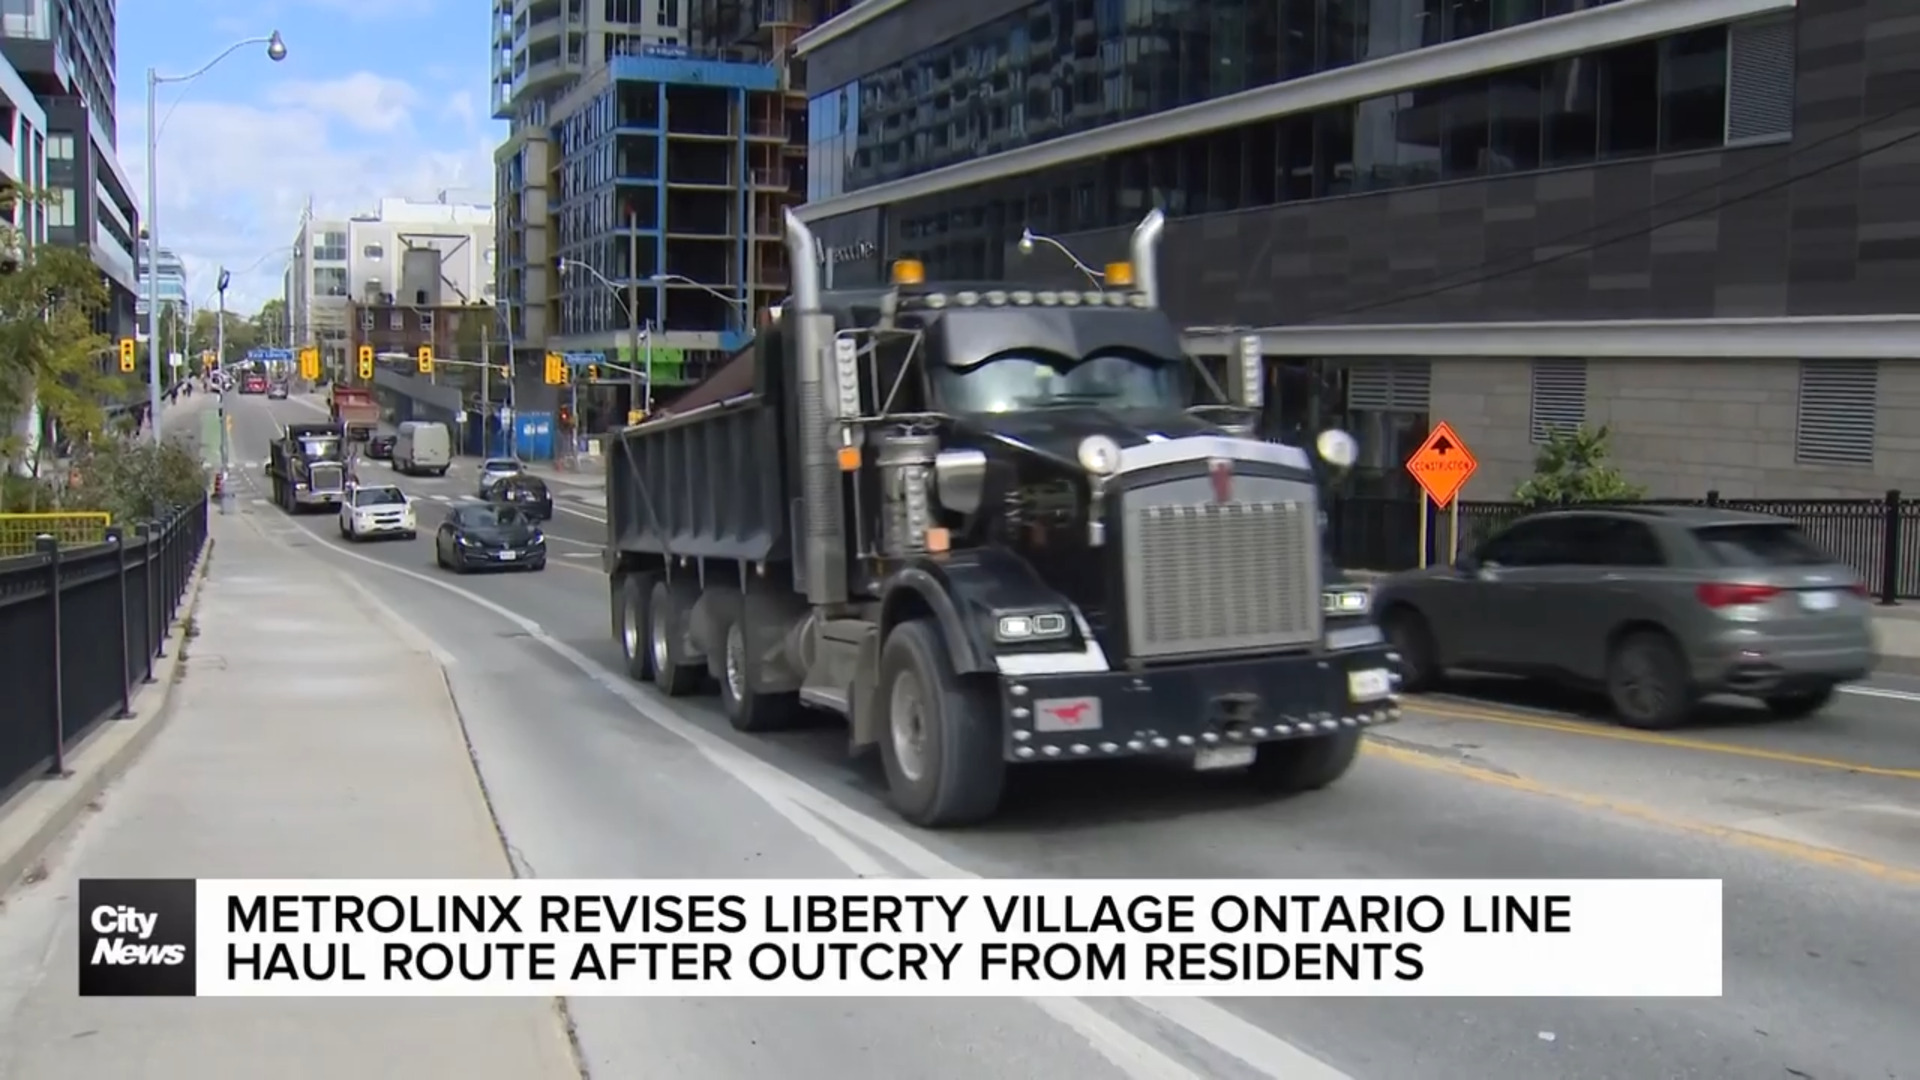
(136,937)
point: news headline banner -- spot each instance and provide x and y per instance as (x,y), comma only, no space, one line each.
(973,938)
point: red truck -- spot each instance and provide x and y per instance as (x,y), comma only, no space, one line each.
(355,409)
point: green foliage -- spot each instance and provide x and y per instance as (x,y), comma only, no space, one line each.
(1573,468)
(49,351)
(134,480)
(242,334)
(270,323)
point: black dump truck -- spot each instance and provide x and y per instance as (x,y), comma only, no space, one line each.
(993,526)
(308,467)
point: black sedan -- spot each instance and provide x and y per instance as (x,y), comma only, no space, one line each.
(483,536)
(527,493)
(380,448)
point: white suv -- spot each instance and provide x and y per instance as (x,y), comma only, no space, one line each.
(371,510)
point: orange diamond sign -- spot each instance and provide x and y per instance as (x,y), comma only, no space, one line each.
(1442,465)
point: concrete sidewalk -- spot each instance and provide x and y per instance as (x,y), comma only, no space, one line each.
(313,736)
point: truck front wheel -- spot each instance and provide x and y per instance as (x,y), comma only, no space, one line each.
(1297,765)
(940,739)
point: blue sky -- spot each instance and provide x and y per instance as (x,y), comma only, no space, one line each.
(380,98)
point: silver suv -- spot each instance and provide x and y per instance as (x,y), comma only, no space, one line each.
(1657,606)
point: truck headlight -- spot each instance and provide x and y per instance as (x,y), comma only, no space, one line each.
(1041,627)
(1099,455)
(1346,601)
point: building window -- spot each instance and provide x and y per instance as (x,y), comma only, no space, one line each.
(366,320)
(1668,95)
(60,147)
(669,12)
(331,248)
(1389,385)
(1559,400)
(426,322)
(1760,81)
(64,211)
(393,320)
(330,281)
(1838,403)
(373,251)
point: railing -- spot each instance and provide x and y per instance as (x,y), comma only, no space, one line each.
(1879,538)
(80,628)
(20,533)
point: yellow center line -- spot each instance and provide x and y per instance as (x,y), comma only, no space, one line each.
(1795,850)
(1600,730)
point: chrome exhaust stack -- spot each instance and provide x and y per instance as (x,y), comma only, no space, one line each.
(822,545)
(1144,252)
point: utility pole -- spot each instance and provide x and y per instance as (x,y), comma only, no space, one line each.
(486,385)
(513,391)
(220,353)
(634,390)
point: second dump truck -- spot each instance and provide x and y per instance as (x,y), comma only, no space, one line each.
(308,467)
(993,526)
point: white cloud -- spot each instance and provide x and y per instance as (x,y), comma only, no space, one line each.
(233,177)
(363,100)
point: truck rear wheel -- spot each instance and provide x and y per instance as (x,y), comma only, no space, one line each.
(1297,765)
(747,709)
(940,737)
(666,637)
(630,626)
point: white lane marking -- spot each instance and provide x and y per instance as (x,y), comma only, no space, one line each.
(594,553)
(579,513)
(262,502)
(1882,692)
(821,815)
(576,554)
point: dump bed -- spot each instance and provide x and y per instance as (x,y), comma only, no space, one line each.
(711,477)
(355,409)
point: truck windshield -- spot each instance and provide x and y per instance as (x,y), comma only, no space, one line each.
(1015,381)
(320,449)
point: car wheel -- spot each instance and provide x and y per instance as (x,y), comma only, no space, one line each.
(1412,638)
(1799,706)
(439,555)
(940,737)
(1647,682)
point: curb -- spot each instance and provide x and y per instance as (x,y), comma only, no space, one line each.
(103,756)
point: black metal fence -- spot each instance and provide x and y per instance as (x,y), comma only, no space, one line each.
(80,628)
(1879,538)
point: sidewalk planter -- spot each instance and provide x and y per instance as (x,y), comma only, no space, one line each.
(79,629)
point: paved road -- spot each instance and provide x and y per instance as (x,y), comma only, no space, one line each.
(1814,826)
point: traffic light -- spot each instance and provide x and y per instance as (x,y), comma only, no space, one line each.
(593,373)
(556,370)
(126,355)
(366,363)
(426,359)
(310,364)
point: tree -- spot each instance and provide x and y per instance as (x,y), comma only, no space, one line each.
(270,323)
(1573,468)
(50,355)
(242,335)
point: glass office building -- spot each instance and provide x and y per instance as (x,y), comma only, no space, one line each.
(1419,203)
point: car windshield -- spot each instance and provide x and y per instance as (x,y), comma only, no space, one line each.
(380,496)
(486,517)
(1029,380)
(1761,546)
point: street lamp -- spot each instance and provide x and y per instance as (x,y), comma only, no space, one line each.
(1029,238)
(220,351)
(276,51)
(740,302)
(627,299)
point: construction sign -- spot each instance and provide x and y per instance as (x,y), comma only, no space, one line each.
(1442,465)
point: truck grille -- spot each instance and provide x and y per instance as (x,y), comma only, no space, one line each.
(1206,577)
(323,478)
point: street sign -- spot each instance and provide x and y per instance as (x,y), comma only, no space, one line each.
(1442,465)
(269,354)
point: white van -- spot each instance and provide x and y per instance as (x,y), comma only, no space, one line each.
(422,446)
